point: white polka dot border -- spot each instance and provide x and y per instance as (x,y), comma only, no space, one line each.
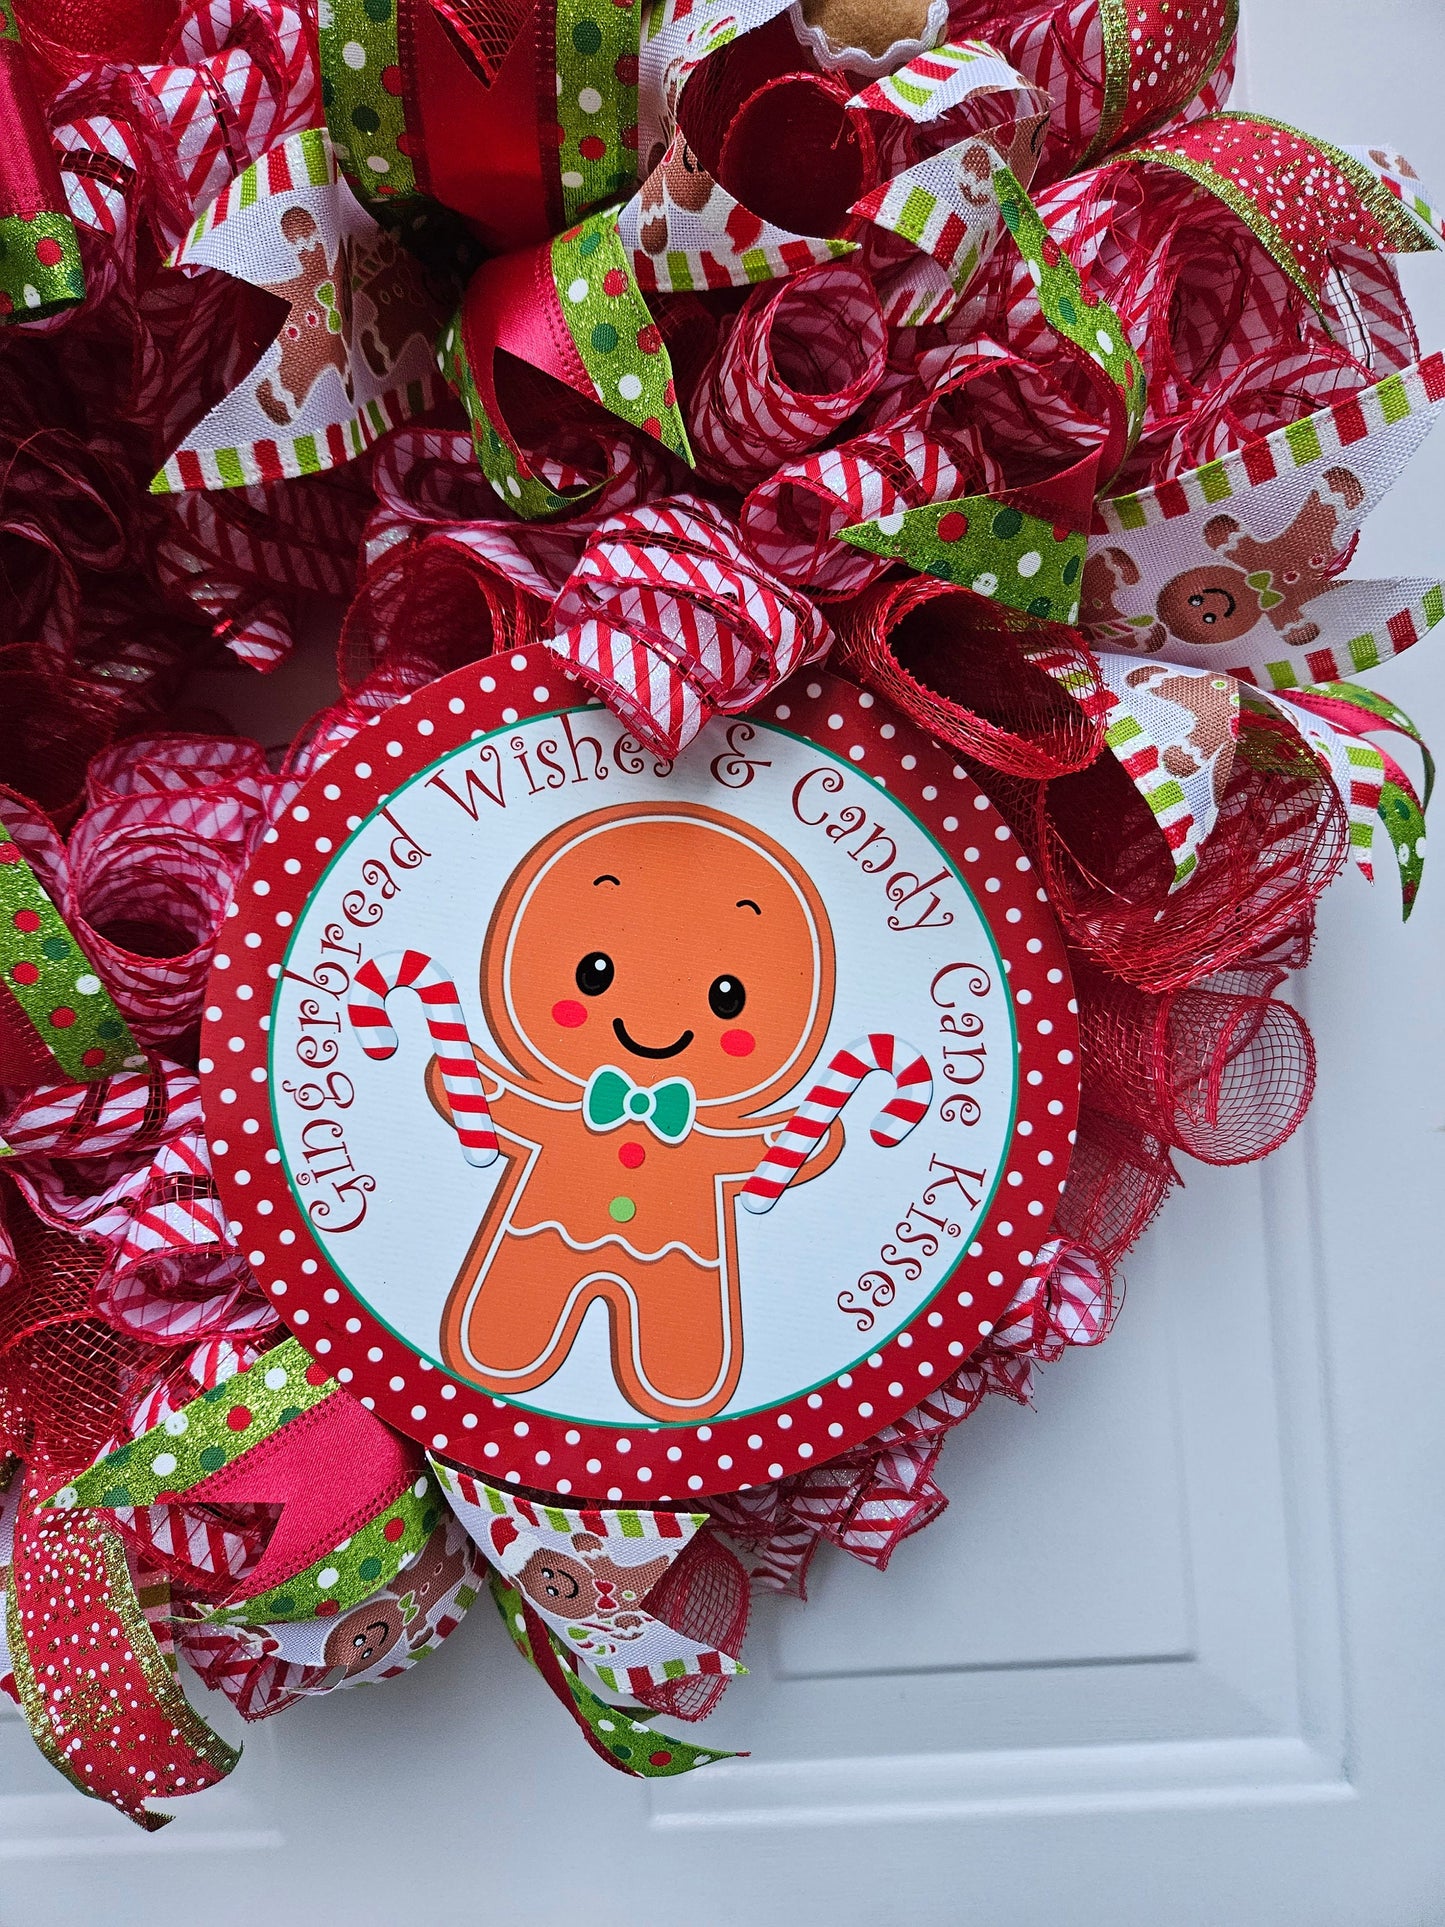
(642,1464)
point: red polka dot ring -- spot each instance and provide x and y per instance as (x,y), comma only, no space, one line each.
(633,1129)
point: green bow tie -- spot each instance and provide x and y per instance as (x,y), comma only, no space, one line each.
(1262,582)
(611,1098)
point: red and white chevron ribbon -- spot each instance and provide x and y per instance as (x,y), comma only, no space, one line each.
(669,618)
(792,520)
(801,358)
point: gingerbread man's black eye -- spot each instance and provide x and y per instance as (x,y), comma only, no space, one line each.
(726,997)
(594,974)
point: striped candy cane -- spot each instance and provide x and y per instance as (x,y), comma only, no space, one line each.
(412,970)
(912,1094)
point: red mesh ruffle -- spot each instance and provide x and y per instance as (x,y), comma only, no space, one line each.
(1279,840)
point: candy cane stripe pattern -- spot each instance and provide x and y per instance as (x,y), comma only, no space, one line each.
(413,970)
(912,1094)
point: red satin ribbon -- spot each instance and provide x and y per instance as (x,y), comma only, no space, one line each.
(331,1470)
(475,146)
(29,177)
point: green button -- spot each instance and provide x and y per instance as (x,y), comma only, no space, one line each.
(622,1209)
(639,1103)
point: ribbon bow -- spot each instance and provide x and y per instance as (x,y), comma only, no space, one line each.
(612,1098)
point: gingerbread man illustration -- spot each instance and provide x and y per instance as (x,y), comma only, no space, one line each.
(1253,580)
(402,1613)
(391,281)
(440,1565)
(1106,572)
(655,977)
(314,334)
(1211,702)
(590,1586)
(364,1637)
(678,176)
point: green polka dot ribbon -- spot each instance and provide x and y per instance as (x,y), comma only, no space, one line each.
(597,48)
(587,158)
(625,1736)
(498,456)
(40,269)
(51,979)
(353,1571)
(1403,819)
(220,1427)
(614,333)
(994,549)
(1081,320)
(1357,711)
(362,89)
(213,1430)
(618,358)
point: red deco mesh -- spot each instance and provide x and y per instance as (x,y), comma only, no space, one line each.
(1119,1175)
(802,357)
(953,662)
(151,906)
(735,127)
(428,607)
(109,598)
(61,1368)
(486,28)
(1221,1070)
(704,1595)
(1279,840)
(50,729)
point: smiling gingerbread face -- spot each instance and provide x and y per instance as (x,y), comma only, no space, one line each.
(364,1637)
(673,942)
(1211,604)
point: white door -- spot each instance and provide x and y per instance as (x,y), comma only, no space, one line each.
(1174,1654)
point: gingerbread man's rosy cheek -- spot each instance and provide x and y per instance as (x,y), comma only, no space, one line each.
(738,1043)
(569,1013)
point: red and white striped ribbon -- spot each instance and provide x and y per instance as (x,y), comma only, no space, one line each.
(879,1051)
(669,618)
(413,970)
(792,520)
(117,1114)
(802,358)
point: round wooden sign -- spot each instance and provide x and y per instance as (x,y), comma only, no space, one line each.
(637,1130)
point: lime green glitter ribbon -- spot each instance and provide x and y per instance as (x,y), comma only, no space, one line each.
(52,980)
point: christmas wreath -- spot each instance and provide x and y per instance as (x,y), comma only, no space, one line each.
(839,517)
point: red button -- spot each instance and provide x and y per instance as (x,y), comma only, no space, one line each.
(632,1154)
